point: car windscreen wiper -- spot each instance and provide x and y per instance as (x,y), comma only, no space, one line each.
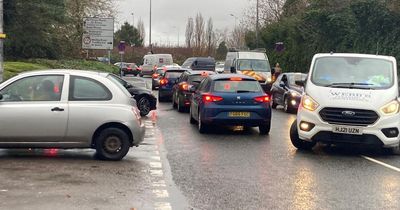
(357,85)
(244,91)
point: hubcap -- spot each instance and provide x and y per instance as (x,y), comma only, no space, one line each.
(112,144)
(144,105)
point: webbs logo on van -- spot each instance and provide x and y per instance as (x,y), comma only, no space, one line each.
(350,96)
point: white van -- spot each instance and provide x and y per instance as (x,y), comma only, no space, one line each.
(250,63)
(152,61)
(349,99)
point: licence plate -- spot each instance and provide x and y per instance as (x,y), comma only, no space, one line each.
(348,130)
(239,114)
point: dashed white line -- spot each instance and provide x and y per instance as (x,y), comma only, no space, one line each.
(161,193)
(162,206)
(157,173)
(381,163)
(155,164)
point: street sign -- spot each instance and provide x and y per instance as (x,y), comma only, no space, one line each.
(121,47)
(98,33)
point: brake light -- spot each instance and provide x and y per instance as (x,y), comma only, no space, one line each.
(263,99)
(184,86)
(155,76)
(235,79)
(211,98)
(163,81)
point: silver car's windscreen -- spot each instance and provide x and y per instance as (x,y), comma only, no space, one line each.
(120,86)
(353,72)
(253,65)
(228,86)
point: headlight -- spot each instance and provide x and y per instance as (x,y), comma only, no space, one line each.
(390,108)
(294,93)
(309,103)
(269,79)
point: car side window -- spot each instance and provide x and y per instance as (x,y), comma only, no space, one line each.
(86,89)
(34,88)
(203,85)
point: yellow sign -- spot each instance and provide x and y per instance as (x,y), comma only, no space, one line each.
(3,36)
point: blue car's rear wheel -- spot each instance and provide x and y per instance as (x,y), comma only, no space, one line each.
(203,128)
(265,128)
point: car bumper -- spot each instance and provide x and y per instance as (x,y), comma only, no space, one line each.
(165,93)
(185,99)
(216,115)
(371,135)
(138,134)
(146,72)
(155,82)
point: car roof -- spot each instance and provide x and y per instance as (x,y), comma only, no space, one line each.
(199,72)
(319,55)
(228,76)
(67,71)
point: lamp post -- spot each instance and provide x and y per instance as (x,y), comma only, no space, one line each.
(133,19)
(150,45)
(177,28)
(234,17)
(257,25)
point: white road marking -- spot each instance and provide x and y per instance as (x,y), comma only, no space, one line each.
(155,158)
(381,163)
(157,173)
(155,164)
(160,183)
(161,193)
(162,206)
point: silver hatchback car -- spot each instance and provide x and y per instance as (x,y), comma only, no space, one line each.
(69,109)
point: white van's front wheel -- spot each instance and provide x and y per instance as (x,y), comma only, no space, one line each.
(296,141)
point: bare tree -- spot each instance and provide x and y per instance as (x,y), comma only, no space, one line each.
(199,33)
(210,36)
(141,30)
(269,11)
(189,32)
(237,38)
(76,10)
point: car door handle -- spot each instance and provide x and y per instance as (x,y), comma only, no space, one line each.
(57,109)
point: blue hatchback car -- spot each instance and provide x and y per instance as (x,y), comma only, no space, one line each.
(230,99)
(167,82)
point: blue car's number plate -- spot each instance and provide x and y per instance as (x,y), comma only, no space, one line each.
(239,114)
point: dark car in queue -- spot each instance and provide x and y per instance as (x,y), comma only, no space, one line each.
(155,78)
(230,99)
(286,92)
(145,99)
(181,95)
(167,81)
(200,63)
(130,68)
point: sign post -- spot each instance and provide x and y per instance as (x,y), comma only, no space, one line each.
(121,49)
(98,33)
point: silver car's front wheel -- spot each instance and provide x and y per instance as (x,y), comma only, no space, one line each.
(144,106)
(112,144)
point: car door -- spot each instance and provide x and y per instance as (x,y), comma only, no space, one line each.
(34,109)
(279,90)
(175,88)
(197,97)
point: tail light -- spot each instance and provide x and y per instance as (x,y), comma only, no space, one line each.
(155,76)
(139,69)
(236,79)
(263,99)
(184,86)
(211,98)
(163,81)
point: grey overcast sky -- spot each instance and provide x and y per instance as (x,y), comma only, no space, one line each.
(169,17)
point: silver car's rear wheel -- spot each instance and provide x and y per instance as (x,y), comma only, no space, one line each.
(112,144)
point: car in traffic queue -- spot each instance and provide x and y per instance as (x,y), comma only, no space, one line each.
(219,67)
(152,61)
(167,81)
(200,63)
(181,95)
(130,68)
(69,109)
(230,99)
(286,92)
(155,78)
(145,99)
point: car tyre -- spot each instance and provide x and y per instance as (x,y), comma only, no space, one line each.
(286,107)
(203,128)
(144,105)
(173,102)
(296,141)
(265,128)
(192,120)
(141,75)
(273,104)
(180,107)
(112,144)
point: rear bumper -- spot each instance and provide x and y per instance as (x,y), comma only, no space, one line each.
(165,93)
(258,115)
(146,72)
